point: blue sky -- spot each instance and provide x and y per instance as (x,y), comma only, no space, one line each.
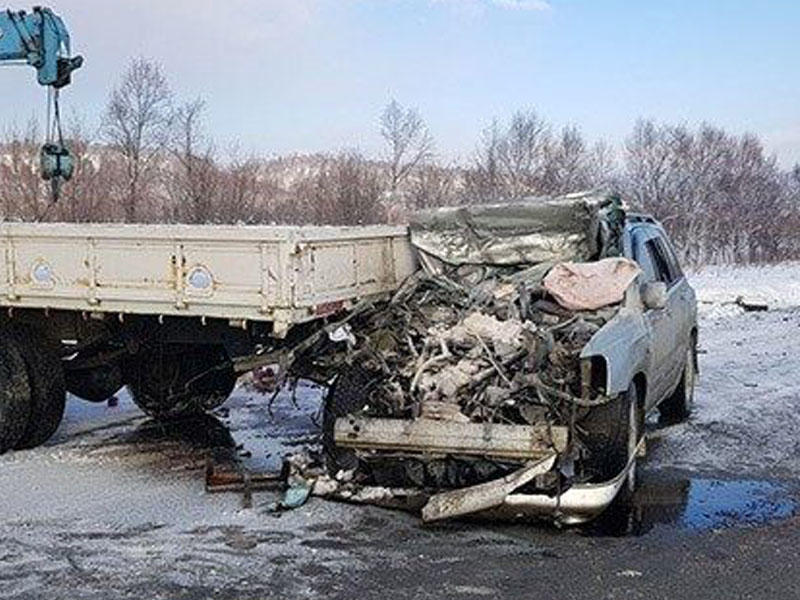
(307,75)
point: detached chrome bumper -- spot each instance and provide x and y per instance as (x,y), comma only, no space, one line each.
(579,504)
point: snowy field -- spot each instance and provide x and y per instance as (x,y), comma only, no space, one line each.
(117,501)
(746,418)
(718,288)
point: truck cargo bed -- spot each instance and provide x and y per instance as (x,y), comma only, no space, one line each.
(280,274)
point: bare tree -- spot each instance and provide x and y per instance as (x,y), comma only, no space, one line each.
(22,191)
(524,158)
(523,154)
(720,195)
(435,185)
(86,197)
(510,162)
(409,143)
(345,191)
(194,180)
(572,165)
(484,181)
(246,190)
(137,125)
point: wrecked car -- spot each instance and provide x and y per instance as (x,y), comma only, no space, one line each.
(512,373)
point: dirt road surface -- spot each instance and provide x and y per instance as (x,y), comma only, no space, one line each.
(114,506)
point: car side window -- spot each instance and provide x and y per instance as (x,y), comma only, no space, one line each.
(644,260)
(672,260)
(655,251)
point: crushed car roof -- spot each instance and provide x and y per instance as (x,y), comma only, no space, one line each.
(581,226)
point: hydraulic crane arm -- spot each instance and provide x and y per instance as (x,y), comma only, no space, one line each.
(40,39)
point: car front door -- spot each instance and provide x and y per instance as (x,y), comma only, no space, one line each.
(665,361)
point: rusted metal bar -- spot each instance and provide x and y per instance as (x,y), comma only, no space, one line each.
(240,480)
(515,442)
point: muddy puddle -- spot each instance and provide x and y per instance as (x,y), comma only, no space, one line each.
(690,502)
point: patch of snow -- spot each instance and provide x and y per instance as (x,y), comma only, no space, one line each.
(746,418)
(718,287)
(113,503)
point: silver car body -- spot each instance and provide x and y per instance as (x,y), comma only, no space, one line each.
(647,345)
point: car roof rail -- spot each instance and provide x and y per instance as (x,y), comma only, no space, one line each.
(640,218)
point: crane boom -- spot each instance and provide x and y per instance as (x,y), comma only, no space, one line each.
(41,40)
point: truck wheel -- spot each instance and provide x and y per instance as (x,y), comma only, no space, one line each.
(170,382)
(678,406)
(15,394)
(612,432)
(95,385)
(346,396)
(48,393)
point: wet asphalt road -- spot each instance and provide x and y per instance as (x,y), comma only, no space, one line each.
(115,507)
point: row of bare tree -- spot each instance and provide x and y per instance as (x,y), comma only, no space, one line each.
(723,198)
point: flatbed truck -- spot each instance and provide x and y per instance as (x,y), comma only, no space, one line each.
(176,312)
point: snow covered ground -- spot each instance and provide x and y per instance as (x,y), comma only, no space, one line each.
(747,404)
(719,287)
(117,501)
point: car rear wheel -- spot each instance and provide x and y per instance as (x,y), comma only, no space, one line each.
(48,393)
(635,429)
(678,406)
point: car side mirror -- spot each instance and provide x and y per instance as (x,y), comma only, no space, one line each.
(654,294)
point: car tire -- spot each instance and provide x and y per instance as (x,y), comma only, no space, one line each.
(48,394)
(677,407)
(345,396)
(612,432)
(635,432)
(15,394)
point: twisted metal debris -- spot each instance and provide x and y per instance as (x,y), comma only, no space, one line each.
(475,337)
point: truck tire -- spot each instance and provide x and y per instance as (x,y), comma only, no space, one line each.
(48,392)
(345,396)
(95,385)
(15,394)
(168,382)
(677,407)
(611,430)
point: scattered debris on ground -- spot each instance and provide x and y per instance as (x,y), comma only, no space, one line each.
(752,303)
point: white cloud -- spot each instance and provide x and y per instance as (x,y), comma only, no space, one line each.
(477,7)
(523,4)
